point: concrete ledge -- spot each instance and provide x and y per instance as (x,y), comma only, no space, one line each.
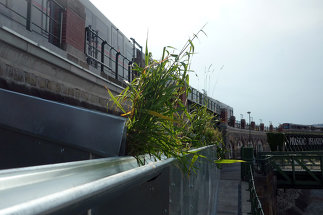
(29,68)
(18,41)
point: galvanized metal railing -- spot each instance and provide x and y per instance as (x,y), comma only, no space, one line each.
(43,189)
(117,185)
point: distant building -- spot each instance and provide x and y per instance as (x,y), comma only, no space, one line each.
(217,107)
(63,50)
(68,51)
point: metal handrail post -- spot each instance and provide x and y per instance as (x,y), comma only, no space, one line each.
(293,171)
(102,55)
(129,72)
(117,65)
(61,29)
(28,20)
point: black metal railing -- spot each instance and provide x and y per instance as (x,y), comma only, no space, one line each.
(247,170)
(256,207)
(45,21)
(101,54)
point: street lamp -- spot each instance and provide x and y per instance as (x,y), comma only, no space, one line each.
(249,116)
(249,126)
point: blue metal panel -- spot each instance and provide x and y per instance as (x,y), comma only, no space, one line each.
(98,133)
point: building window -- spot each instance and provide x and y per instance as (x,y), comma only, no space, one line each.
(55,23)
(41,17)
(91,48)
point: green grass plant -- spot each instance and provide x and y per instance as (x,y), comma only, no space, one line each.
(202,130)
(159,124)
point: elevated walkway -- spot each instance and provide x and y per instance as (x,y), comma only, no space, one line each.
(233,194)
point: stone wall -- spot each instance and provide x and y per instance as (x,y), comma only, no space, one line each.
(29,68)
(266,187)
(235,138)
(300,201)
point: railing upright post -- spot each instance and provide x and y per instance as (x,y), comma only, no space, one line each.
(61,29)
(129,72)
(293,171)
(28,20)
(85,41)
(102,55)
(123,65)
(96,47)
(117,65)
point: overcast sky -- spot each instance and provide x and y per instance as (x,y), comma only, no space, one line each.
(264,56)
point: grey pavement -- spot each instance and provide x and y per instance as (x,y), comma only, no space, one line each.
(233,195)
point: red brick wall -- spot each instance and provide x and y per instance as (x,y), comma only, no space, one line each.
(253,125)
(232,121)
(224,115)
(74,29)
(243,123)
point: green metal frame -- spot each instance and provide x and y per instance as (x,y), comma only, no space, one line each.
(296,168)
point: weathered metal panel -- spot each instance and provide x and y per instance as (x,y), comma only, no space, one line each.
(195,194)
(18,149)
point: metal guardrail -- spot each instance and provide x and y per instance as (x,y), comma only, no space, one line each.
(49,188)
(78,187)
(97,47)
(256,207)
(247,175)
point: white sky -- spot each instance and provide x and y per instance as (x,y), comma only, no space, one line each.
(270,52)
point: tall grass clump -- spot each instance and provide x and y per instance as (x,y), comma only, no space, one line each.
(158,121)
(201,130)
